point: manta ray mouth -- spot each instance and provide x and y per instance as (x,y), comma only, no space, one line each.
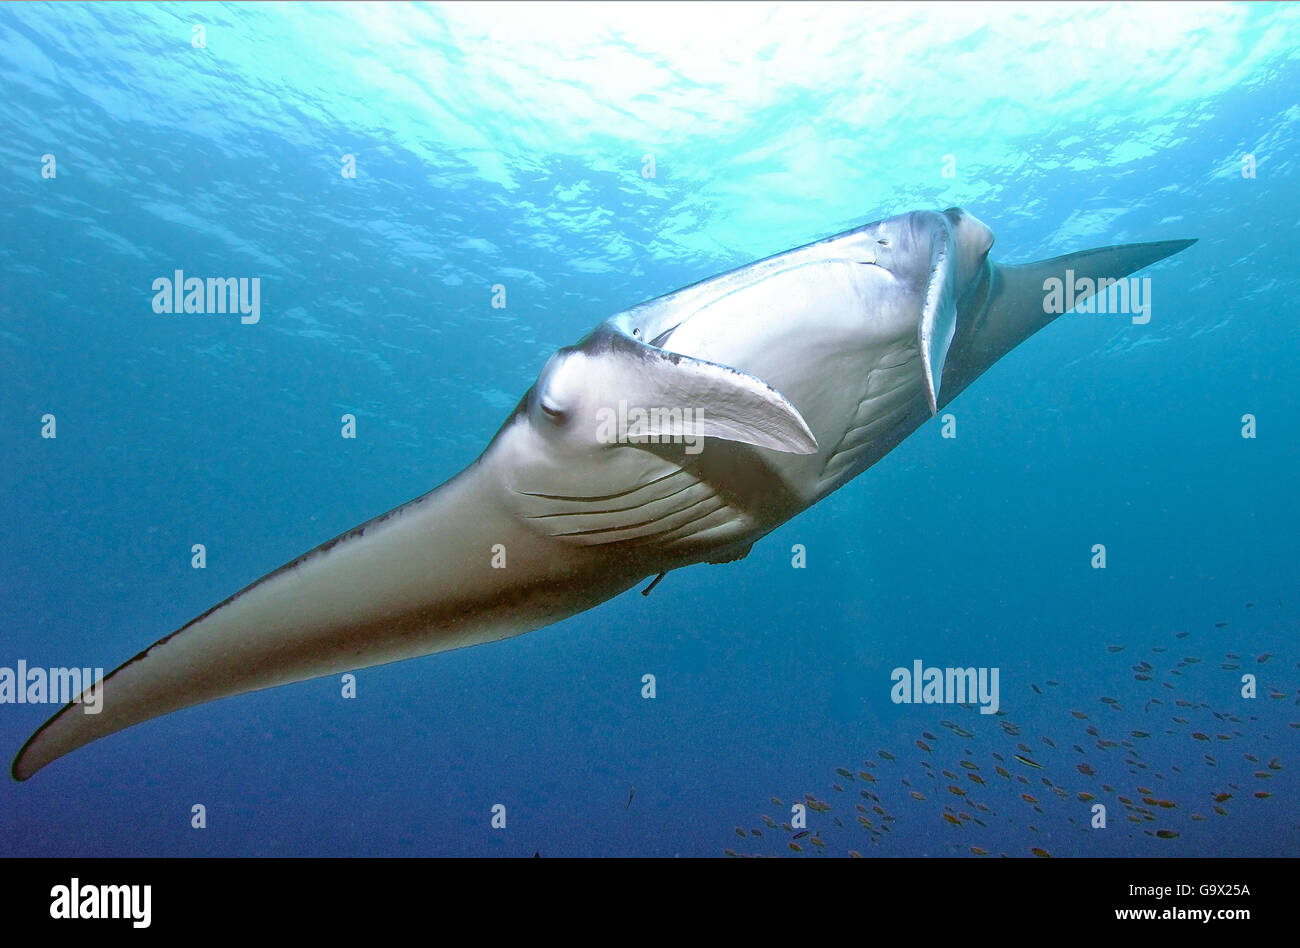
(659,340)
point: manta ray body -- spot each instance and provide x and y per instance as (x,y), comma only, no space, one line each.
(679,431)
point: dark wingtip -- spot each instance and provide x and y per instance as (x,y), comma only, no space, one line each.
(1148,253)
(1176,245)
(19,769)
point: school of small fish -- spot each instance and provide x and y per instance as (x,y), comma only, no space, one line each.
(1167,723)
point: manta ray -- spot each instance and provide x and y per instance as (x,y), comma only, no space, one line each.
(679,431)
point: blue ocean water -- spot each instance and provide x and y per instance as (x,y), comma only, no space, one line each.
(513,145)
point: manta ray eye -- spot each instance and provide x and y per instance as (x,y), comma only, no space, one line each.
(883,241)
(555,414)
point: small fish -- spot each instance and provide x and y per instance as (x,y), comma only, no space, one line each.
(817,842)
(1026,760)
(1139,733)
(843,772)
(1231,656)
(1037,690)
(1251,757)
(1262,794)
(1220,625)
(1002,773)
(630,794)
(1220,797)
(886,754)
(1182,635)
(837,788)
(928,736)
(978,852)
(923,745)
(1220,810)
(1080,715)
(1048,742)
(952,819)
(1265,657)
(740,832)
(1109,701)
(969,765)
(1086,770)
(957,790)
(1166,804)
(977,778)
(1027,798)
(1085,796)
(1053,684)
(1274,765)
(1041,853)
(917,796)
(796,847)
(1114,648)
(776,801)
(801,834)
(1166,834)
